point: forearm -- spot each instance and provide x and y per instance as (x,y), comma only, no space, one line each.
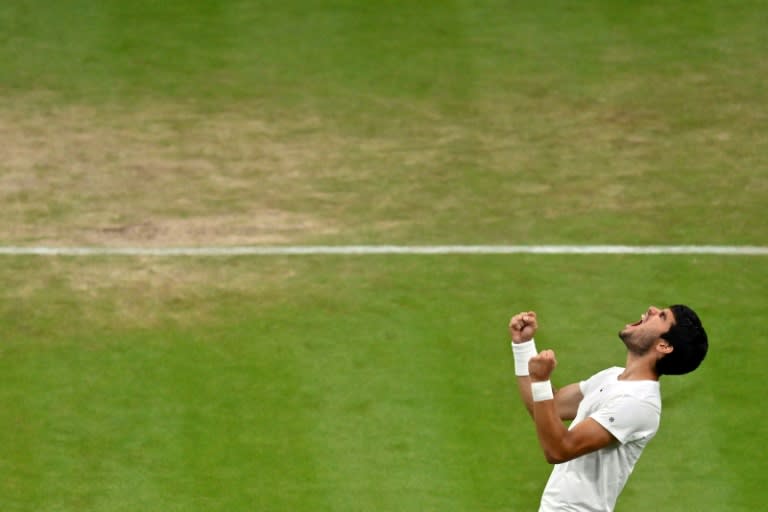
(550,429)
(547,407)
(522,352)
(524,386)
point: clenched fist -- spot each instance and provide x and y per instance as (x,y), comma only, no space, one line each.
(523,326)
(541,366)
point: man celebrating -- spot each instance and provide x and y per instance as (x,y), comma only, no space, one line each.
(615,412)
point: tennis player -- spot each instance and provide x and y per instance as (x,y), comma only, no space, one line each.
(615,412)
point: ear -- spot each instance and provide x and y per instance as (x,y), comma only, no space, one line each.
(664,347)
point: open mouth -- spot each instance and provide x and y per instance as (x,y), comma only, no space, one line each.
(642,319)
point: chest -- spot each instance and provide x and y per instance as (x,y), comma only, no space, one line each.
(596,399)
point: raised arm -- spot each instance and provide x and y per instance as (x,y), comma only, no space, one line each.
(522,327)
(559,443)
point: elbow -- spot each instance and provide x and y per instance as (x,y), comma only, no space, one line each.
(555,457)
(562,450)
(552,459)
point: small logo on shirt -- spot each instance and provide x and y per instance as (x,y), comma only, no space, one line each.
(611,419)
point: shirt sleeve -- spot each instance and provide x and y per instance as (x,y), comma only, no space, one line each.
(628,418)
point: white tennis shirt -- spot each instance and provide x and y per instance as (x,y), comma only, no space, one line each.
(630,411)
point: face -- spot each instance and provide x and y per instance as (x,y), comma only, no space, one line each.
(640,336)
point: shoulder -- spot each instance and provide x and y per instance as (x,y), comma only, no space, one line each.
(599,378)
(645,391)
(628,417)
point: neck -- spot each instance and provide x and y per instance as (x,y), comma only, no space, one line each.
(639,368)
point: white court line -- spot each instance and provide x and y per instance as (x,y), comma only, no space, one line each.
(277,250)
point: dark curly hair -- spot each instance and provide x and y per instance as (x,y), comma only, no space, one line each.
(689,342)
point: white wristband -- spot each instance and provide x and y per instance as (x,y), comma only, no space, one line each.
(541,391)
(523,352)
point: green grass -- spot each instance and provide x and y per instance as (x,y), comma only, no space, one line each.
(381,382)
(386,383)
(395,122)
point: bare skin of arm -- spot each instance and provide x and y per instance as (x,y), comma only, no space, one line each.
(558,443)
(522,328)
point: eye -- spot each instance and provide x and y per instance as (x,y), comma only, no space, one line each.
(663,315)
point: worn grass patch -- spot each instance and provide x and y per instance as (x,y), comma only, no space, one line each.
(106,294)
(177,175)
(161,176)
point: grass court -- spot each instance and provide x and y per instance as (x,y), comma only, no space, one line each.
(355,383)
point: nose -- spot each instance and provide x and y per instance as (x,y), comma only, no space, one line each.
(653,310)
